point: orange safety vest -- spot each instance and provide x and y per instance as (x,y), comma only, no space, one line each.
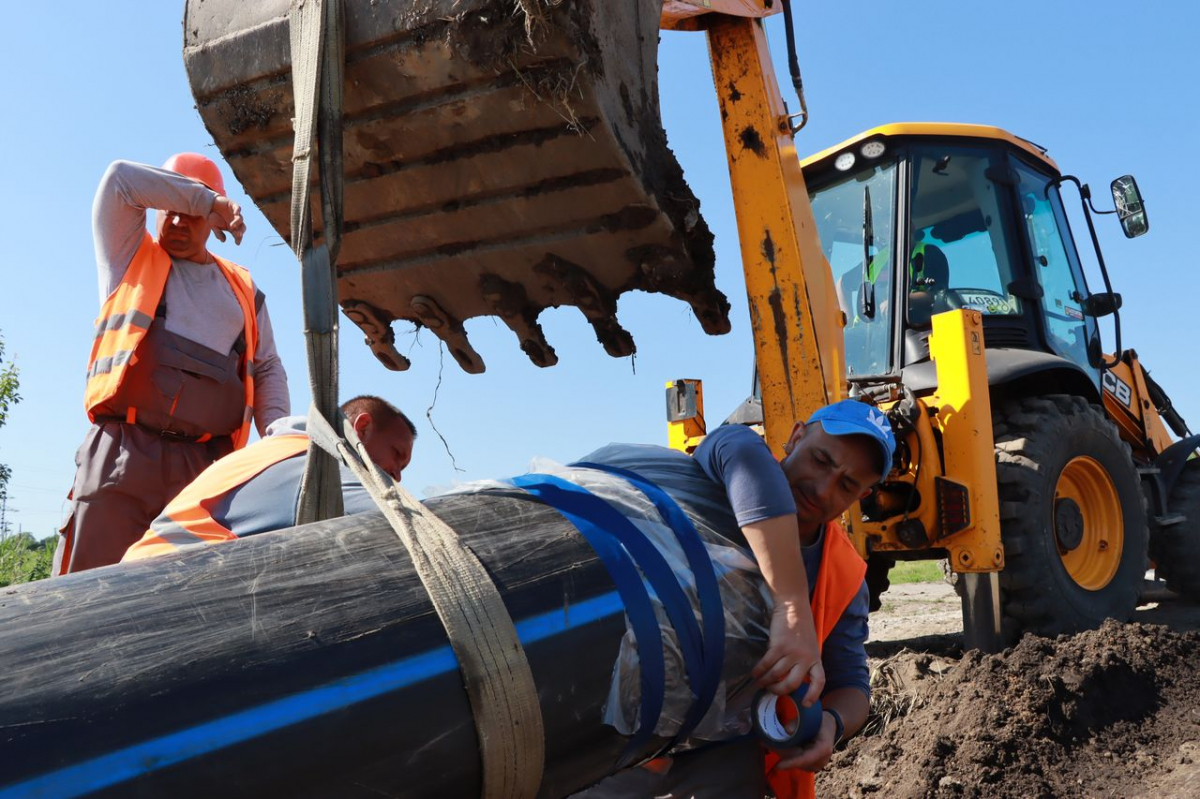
(188,518)
(838,580)
(128,312)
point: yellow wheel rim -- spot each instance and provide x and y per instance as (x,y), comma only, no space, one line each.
(1093,563)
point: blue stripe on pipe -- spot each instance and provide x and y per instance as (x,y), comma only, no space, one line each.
(712,611)
(176,747)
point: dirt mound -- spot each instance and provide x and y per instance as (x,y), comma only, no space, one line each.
(1108,712)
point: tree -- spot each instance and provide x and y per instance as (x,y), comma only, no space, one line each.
(24,559)
(8,397)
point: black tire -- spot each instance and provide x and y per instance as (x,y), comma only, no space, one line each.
(878,566)
(1176,547)
(1037,438)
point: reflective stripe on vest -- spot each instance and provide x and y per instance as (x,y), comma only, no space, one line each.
(188,518)
(838,580)
(915,272)
(882,258)
(128,312)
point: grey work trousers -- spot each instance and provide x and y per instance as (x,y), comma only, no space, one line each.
(723,771)
(124,478)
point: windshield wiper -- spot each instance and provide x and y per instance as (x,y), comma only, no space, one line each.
(866,296)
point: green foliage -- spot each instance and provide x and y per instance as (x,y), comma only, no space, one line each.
(915,571)
(24,559)
(8,397)
(8,386)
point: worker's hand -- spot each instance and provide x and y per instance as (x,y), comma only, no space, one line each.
(815,756)
(226,215)
(792,654)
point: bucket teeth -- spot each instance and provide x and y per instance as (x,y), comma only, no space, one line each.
(616,340)
(380,337)
(598,304)
(510,302)
(668,271)
(449,330)
(474,145)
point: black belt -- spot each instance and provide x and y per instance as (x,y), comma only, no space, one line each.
(169,435)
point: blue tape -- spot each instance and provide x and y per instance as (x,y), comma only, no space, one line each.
(582,506)
(712,612)
(771,730)
(658,573)
(614,538)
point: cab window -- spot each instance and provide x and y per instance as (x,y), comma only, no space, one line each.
(839,208)
(958,256)
(1055,265)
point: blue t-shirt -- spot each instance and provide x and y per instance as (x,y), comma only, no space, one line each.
(256,506)
(739,459)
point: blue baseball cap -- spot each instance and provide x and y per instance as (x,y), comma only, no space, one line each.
(851,417)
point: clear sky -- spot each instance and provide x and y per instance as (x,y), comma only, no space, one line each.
(1110,88)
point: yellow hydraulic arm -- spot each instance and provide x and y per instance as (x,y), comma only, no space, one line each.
(793,308)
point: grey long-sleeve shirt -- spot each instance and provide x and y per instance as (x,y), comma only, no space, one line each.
(203,306)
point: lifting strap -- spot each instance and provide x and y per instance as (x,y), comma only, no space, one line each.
(495,671)
(499,682)
(317,43)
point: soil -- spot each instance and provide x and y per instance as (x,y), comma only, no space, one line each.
(1109,712)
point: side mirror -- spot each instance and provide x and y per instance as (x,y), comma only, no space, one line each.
(1101,304)
(1130,208)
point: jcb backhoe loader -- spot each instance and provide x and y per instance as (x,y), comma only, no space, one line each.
(1085,478)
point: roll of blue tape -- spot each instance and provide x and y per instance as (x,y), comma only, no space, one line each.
(771,730)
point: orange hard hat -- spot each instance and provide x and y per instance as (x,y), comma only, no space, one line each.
(197,167)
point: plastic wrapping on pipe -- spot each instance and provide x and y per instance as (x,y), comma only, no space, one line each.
(310,661)
(744,598)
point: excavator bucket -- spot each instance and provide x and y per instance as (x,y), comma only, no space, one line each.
(501,157)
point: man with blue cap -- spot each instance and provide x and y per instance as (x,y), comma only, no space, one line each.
(788,512)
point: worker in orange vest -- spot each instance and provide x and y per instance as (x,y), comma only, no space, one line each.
(787,511)
(257,489)
(183,360)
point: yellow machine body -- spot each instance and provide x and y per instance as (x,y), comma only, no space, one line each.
(1127,401)
(958,507)
(685,415)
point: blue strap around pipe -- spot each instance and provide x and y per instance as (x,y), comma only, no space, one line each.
(712,612)
(620,544)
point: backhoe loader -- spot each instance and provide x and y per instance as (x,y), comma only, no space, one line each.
(985,337)
(501,157)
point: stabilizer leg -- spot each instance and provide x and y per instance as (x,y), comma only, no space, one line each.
(981,611)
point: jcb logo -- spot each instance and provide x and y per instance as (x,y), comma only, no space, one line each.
(1118,388)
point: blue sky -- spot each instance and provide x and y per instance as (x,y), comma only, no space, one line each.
(1109,88)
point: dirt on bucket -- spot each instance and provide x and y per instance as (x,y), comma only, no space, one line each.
(1110,712)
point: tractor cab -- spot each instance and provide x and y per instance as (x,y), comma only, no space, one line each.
(917,219)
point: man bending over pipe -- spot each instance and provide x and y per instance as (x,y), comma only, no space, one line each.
(787,511)
(241,494)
